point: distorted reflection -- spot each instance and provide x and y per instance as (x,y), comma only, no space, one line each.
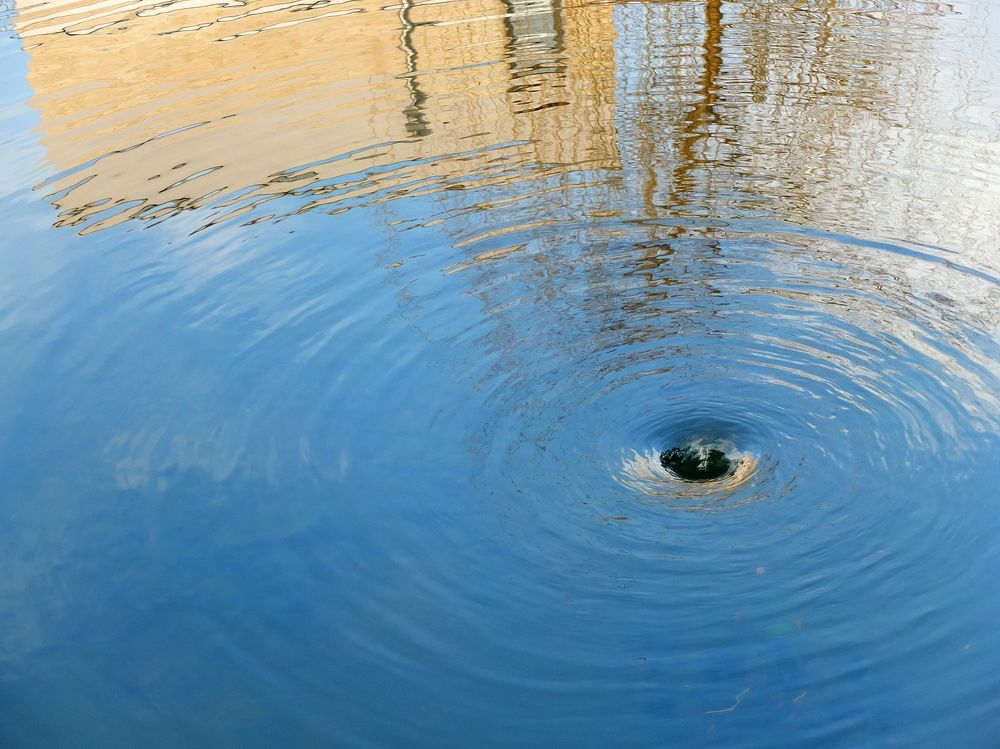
(500,372)
(184,111)
(818,108)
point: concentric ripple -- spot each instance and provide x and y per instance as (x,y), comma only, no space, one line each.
(787,347)
(474,373)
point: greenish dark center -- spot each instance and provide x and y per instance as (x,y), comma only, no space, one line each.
(696,463)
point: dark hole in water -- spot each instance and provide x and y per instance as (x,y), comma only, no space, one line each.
(696,463)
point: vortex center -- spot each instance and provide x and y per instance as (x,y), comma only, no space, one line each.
(696,463)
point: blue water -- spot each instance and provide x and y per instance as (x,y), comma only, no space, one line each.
(337,364)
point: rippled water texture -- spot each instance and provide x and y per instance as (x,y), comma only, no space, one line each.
(343,344)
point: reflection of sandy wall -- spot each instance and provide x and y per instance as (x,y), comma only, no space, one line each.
(264,87)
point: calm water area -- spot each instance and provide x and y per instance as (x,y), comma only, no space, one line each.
(358,358)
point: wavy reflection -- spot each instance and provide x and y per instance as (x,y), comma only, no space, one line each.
(179,116)
(429,289)
(754,102)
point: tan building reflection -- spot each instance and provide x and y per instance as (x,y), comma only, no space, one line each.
(829,117)
(150,108)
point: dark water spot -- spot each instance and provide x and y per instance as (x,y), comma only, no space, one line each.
(696,462)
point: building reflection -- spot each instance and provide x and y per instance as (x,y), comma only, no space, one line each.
(827,115)
(149,109)
(824,113)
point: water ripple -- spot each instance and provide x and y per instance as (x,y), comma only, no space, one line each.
(346,345)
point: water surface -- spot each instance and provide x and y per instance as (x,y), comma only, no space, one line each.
(342,341)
